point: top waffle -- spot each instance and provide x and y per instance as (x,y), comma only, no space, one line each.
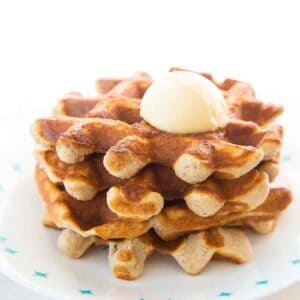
(120,99)
(229,152)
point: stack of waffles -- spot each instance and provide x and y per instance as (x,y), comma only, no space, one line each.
(106,176)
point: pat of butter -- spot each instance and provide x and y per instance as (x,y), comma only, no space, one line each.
(184,102)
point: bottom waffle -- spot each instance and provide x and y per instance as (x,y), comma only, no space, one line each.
(192,252)
(190,239)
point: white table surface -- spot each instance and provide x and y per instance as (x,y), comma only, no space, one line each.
(51,47)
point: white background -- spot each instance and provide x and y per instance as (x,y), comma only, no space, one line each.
(48,48)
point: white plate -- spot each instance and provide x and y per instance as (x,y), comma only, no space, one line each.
(28,252)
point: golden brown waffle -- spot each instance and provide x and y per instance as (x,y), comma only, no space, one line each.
(117,108)
(132,147)
(131,198)
(75,105)
(132,87)
(271,167)
(89,218)
(94,218)
(101,151)
(240,98)
(118,99)
(178,220)
(192,253)
(229,153)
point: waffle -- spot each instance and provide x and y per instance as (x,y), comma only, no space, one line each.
(107,177)
(75,138)
(240,98)
(229,153)
(178,220)
(118,99)
(270,167)
(88,218)
(192,253)
(132,87)
(75,105)
(117,108)
(94,218)
(131,198)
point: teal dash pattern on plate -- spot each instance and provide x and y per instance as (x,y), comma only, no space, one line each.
(86,292)
(286,158)
(2,189)
(296,261)
(16,167)
(40,274)
(2,239)
(262,282)
(10,251)
(225,294)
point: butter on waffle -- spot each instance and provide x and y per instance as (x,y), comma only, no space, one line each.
(240,98)
(94,218)
(242,101)
(229,152)
(150,191)
(191,166)
(192,253)
(130,198)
